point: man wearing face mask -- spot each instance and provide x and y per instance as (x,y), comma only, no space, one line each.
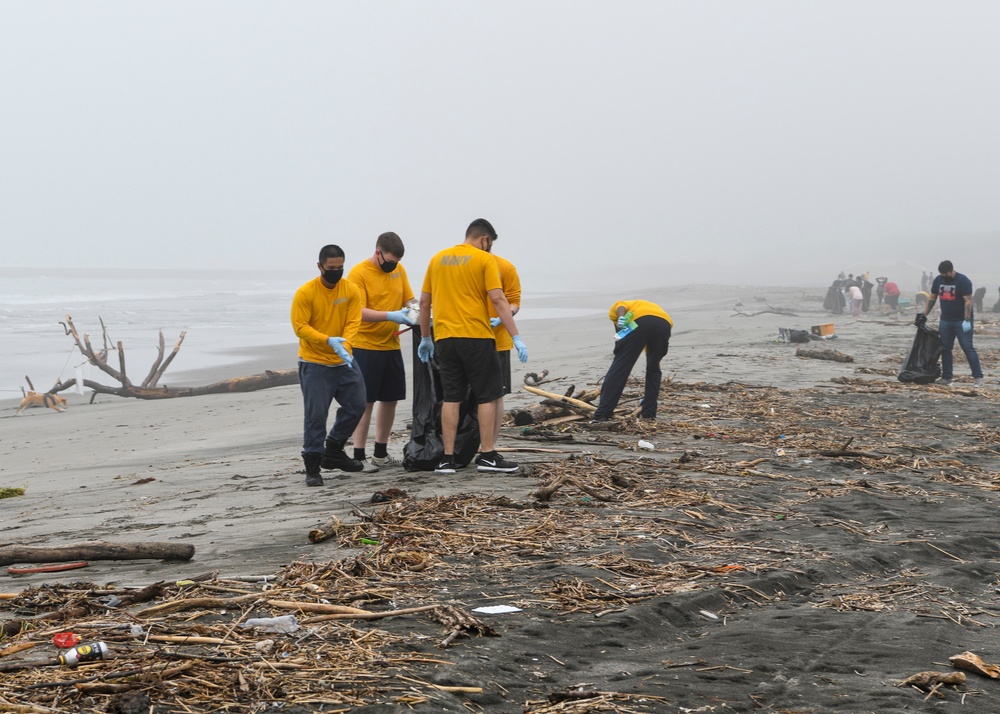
(385,294)
(955,292)
(460,283)
(326,315)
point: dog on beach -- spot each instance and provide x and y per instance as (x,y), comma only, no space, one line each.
(34,399)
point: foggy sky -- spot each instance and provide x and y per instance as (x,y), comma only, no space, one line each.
(780,138)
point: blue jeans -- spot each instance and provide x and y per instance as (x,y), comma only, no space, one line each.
(949,330)
(320,385)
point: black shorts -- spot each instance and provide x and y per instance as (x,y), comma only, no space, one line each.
(385,376)
(505,370)
(469,362)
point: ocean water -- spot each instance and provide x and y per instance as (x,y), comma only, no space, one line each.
(221,313)
(225,315)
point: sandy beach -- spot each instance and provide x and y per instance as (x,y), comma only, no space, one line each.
(803,535)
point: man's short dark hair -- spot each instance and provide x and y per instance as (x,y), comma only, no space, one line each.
(945,266)
(390,243)
(481,227)
(330,251)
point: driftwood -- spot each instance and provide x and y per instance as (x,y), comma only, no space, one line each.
(561,400)
(325,530)
(971,662)
(148,388)
(94,550)
(769,310)
(932,681)
(827,354)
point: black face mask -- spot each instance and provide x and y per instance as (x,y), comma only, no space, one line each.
(388,265)
(333,276)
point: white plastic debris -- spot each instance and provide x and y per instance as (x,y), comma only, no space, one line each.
(643,444)
(285,623)
(709,615)
(496,609)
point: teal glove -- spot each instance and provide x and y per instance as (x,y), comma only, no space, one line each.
(400,317)
(522,351)
(495,322)
(966,325)
(622,322)
(425,350)
(337,345)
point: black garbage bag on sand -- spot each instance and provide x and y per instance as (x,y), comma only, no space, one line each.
(921,365)
(424,450)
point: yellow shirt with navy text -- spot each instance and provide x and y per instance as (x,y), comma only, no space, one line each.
(457,279)
(511,283)
(380,291)
(319,312)
(638,308)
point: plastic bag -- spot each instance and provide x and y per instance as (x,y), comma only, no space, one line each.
(424,450)
(921,365)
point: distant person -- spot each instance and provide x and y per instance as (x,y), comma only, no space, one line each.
(856,299)
(866,292)
(977,299)
(996,305)
(652,336)
(326,315)
(891,295)
(880,290)
(834,300)
(459,283)
(511,283)
(385,294)
(955,292)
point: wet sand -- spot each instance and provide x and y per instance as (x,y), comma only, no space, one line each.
(735,568)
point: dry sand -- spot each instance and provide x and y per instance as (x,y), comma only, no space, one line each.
(830,578)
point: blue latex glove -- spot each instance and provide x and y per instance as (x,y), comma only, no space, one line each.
(522,351)
(337,345)
(495,322)
(622,322)
(400,317)
(966,326)
(425,350)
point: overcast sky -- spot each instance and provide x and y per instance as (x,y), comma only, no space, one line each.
(767,136)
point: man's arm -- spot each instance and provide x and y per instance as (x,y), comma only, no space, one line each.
(968,307)
(500,304)
(425,314)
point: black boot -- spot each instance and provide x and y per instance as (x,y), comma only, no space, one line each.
(313,476)
(335,458)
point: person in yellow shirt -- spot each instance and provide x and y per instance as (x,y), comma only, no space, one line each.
(326,315)
(460,283)
(512,291)
(652,334)
(385,294)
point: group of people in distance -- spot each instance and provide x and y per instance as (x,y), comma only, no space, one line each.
(349,349)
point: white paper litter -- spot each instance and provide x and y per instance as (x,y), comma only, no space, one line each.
(645,445)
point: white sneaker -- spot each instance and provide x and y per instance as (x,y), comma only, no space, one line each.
(386,461)
(369,466)
(978,382)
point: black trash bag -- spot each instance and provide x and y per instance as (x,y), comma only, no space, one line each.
(791,335)
(425,448)
(921,365)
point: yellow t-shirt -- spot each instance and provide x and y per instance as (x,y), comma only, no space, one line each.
(512,291)
(457,279)
(380,291)
(638,308)
(319,312)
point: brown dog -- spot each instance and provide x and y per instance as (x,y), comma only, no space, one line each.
(34,399)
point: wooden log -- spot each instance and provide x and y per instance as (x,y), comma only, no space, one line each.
(830,355)
(197,602)
(325,530)
(95,550)
(561,399)
(317,607)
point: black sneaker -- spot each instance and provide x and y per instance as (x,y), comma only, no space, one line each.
(495,462)
(337,459)
(314,480)
(447,466)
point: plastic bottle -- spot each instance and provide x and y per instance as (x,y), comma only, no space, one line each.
(285,623)
(630,325)
(90,652)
